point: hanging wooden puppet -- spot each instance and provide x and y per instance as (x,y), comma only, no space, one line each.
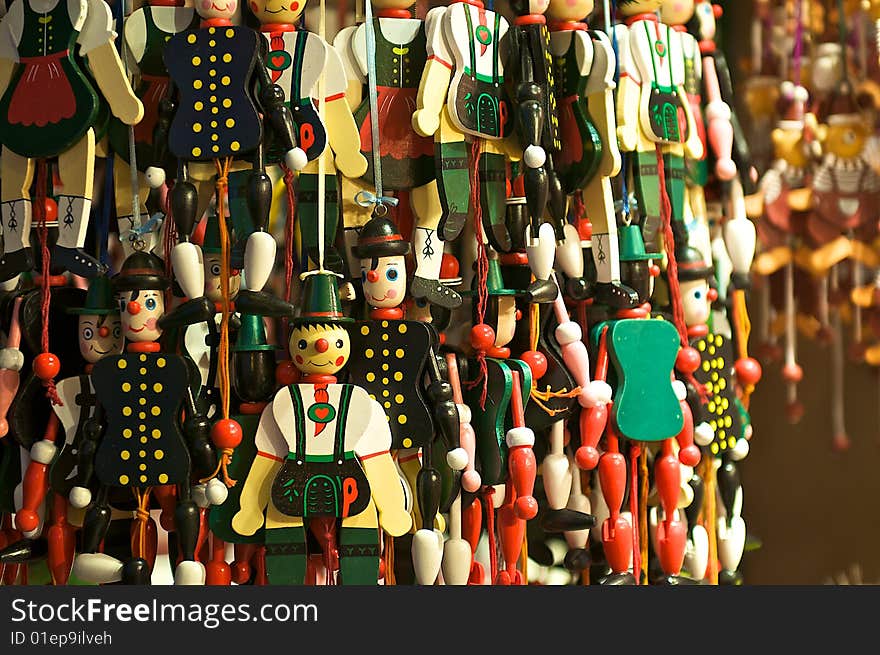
(585,64)
(48,108)
(211,117)
(323,461)
(305,67)
(654,118)
(392,358)
(136,438)
(405,158)
(147,30)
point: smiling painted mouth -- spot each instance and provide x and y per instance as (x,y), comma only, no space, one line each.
(277,11)
(102,352)
(372,297)
(322,365)
(131,329)
(214,6)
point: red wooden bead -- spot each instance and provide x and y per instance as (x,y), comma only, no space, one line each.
(482,336)
(841,442)
(689,455)
(536,361)
(586,457)
(46,366)
(448,266)
(226,433)
(26,520)
(748,371)
(794,412)
(51,208)
(688,360)
(792,373)
(526,508)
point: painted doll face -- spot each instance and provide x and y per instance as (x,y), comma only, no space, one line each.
(99,336)
(846,140)
(633,7)
(706,16)
(695,302)
(569,10)
(140,312)
(384,280)
(677,12)
(208,9)
(788,144)
(213,280)
(321,349)
(284,12)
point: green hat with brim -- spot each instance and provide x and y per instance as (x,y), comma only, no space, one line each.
(632,245)
(211,240)
(252,335)
(495,283)
(320,300)
(99,299)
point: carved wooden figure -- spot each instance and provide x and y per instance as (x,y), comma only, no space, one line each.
(322,457)
(48,108)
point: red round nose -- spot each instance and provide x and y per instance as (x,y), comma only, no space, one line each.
(372,276)
(321,345)
(133,307)
(103,330)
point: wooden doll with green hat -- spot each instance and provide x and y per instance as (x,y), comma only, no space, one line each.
(323,460)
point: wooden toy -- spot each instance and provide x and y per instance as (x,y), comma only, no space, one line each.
(48,108)
(654,118)
(390,355)
(310,73)
(135,438)
(585,65)
(322,456)
(405,158)
(146,31)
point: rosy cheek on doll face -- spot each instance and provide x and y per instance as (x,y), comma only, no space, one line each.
(150,324)
(392,293)
(230,7)
(299,359)
(254,7)
(340,360)
(206,4)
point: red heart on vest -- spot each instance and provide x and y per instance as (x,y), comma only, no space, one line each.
(277,61)
(322,412)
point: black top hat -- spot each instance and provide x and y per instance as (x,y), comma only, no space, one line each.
(691,265)
(141,271)
(380,238)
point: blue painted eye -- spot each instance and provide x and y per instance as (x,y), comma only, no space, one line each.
(150,304)
(391,274)
(698,294)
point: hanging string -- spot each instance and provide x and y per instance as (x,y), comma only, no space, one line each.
(482,270)
(222,186)
(635,452)
(39,207)
(710,516)
(322,162)
(289,239)
(798,42)
(743,328)
(643,507)
(142,515)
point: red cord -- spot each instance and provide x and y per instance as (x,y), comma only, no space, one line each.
(45,295)
(169,239)
(634,452)
(288,238)
(482,269)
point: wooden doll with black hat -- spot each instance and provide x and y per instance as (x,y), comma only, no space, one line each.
(323,459)
(393,358)
(136,439)
(497,392)
(53,462)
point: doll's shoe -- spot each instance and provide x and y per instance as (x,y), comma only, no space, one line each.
(542,291)
(566,520)
(451,225)
(262,304)
(577,288)
(618,579)
(434,292)
(24,551)
(616,295)
(77,262)
(578,559)
(97,568)
(189,573)
(730,578)
(15,262)
(499,237)
(136,572)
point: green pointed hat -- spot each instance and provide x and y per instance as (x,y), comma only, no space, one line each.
(320,301)
(632,245)
(99,299)
(252,335)
(494,282)
(211,241)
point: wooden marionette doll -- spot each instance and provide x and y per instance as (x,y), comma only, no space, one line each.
(210,119)
(49,108)
(463,104)
(584,65)
(146,32)
(497,393)
(253,379)
(654,117)
(392,359)
(323,462)
(406,159)
(845,188)
(135,440)
(305,68)
(53,462)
